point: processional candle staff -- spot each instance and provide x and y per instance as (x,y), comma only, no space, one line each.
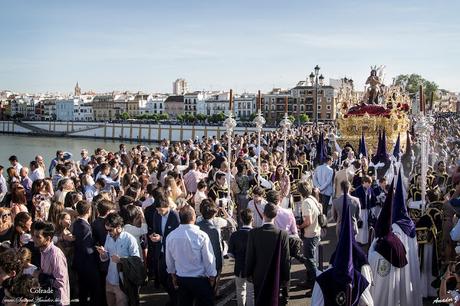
(285,125)
(229,125)
(259,121)
(423,128)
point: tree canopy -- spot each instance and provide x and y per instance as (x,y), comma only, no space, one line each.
(411,83)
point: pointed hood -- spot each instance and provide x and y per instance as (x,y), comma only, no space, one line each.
(384,144)
(359,256)
(321,149)
(375,158)
(397,148)
(381,155)
(384,221)
(343,263)
(336,281)
(400,215)
(388,244)
(362,146)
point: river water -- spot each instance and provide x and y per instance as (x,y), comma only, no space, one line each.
(27,147)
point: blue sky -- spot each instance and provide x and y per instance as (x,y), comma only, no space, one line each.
(244,45)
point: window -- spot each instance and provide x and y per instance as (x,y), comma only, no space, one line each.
(328,115)
(328,107)
(319,107)
(329,100)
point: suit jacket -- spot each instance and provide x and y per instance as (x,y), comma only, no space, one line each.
(355,210)
(237,247)
(99,231)
(341,176)
(260,251)
(368,201)
(171,224)
(85,255)
(216,241)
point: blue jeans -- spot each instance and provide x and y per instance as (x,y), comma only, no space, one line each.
(309,248)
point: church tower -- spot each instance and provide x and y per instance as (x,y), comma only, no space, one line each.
(77,90)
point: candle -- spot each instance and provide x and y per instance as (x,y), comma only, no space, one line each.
(230,107)
(422,107)
(259,101)
(286,104)
(432,100)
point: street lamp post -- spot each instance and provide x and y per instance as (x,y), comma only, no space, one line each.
(285,125)
(259,121)
(316,80)
(229,125)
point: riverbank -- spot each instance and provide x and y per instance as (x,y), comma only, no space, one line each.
(117,131)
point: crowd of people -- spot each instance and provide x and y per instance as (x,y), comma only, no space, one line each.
(98,227)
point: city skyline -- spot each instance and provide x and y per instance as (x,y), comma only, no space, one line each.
(112,45)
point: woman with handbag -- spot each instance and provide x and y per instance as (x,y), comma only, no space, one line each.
(311,212)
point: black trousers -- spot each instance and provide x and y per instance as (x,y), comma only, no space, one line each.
(166,280)
(89,286)
(195,289)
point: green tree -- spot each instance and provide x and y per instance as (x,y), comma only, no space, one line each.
(163,116)
(412,83)
(181,117)
(291,118)
(201,117)
(304,118)
(252,117)
(124,116)
(220,117)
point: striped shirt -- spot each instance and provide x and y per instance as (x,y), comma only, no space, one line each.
(53,262)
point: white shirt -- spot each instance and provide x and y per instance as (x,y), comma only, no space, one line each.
(189,252)
(149,201)
(322,179)
(257,212)
(455,232)
(197,199)
(36,175)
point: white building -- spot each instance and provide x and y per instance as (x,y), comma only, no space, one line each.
(180,87)
(245,105)
(217,103)
(83,111)
(195,102)
(154,104)
(73,109)
(65,109)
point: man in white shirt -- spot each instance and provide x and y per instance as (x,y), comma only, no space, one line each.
(322,179)
(36,172)
(190,261)
(15,163)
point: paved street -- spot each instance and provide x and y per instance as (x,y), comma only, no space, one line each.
(227,289)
